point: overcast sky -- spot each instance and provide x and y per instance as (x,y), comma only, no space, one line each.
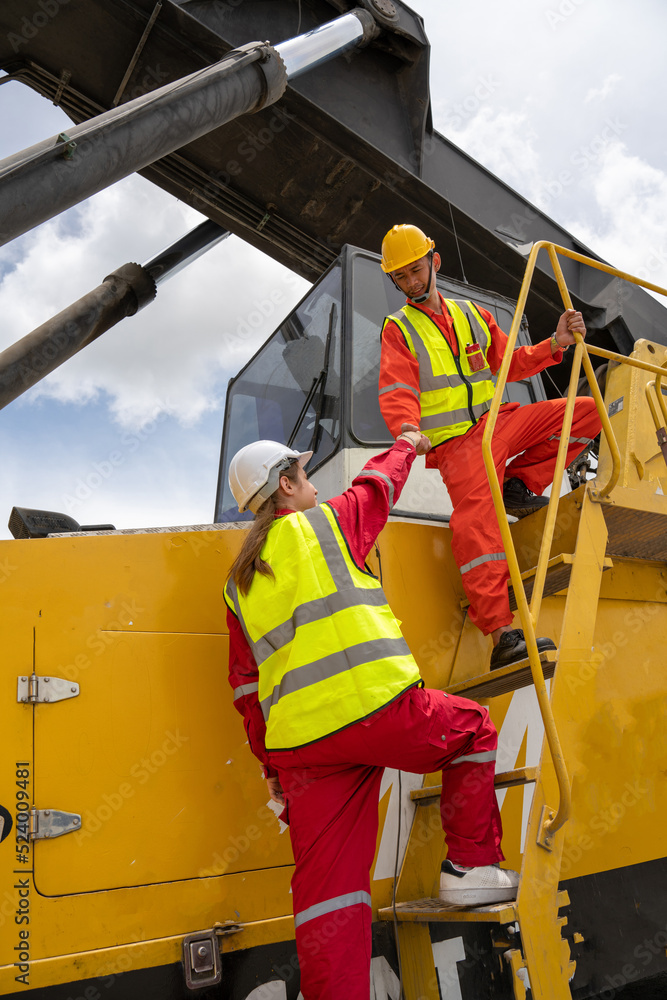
(564,100)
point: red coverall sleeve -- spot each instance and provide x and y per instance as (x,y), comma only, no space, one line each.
(526,361)
(364,508)
(399,381)
(244,679)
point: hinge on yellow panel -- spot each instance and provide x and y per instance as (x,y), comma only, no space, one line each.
(33,690)
(45,824)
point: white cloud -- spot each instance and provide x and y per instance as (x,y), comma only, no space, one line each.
(504,142)
(600,93)
(631,195)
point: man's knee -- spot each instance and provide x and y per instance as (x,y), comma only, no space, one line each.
(585,409)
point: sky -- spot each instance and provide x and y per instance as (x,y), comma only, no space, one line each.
(562,99)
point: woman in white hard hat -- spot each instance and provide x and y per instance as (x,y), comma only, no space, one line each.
(331,695)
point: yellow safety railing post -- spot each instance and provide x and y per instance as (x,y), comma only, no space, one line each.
(529,615)
(561,455)
(510,552)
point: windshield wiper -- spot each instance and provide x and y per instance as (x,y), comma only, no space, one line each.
(319,382)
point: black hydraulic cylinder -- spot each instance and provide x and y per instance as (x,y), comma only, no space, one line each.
(30,359)
(48,178)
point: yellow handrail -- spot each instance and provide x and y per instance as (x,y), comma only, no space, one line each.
(529,615)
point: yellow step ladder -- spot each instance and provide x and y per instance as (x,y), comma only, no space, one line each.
(529,936)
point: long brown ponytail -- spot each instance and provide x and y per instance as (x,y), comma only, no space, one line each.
(248,561)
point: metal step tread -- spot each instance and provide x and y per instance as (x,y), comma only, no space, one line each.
(504,779)
(423,911)
(510,678)
(559,570)
(636,534)
(426,911)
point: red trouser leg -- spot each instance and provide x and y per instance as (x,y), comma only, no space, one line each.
(537,439)
(332,789)
(532,433)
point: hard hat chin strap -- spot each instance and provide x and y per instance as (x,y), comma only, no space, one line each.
(419,298)
(422,298)
(271,484)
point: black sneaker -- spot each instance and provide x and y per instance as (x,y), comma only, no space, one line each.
(512,648)
(518,499)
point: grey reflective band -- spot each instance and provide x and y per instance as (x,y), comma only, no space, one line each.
(487,557)
(234,594)
(313,611)
(244,689)
(346,595)
(478,332)
(331,550)
(451,417)
(380,475)
(333,664)
(331,905)
(399,385)
(475,758)
(557,437)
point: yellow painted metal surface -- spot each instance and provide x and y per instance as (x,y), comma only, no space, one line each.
(642,465)
(176,831)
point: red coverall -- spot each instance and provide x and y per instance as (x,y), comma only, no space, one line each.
(531,433)
(332,786)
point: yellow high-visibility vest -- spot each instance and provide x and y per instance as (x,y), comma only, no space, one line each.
(328,649)
(453,397)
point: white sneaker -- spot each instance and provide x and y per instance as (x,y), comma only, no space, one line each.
(461,886)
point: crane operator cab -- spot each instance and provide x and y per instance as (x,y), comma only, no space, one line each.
(314,384)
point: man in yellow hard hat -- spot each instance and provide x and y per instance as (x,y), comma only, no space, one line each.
(438,359)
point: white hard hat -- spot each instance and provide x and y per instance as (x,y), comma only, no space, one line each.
(254,472)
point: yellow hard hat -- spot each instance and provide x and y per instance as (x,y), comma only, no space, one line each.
(402,245)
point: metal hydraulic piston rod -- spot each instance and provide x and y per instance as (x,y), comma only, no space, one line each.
(52,176)
(122,293)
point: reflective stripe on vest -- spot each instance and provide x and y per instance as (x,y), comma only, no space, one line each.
(328,648)
(452,396)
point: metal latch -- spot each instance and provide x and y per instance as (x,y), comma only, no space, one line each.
(37,690)
(201,959)
(45,824)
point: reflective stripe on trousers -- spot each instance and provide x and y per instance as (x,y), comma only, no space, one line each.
(487,557)
(330,905)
